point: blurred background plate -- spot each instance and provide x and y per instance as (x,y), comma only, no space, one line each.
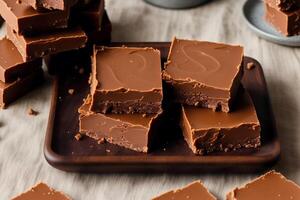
(253,12)
(176,4)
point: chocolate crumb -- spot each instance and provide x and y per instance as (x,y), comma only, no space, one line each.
(81,71)
(250,65)
(71,91)
(101,141)
(78,136)
(32,112)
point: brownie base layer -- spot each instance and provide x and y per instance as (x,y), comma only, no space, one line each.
(12,91)
(128,107)
(286,23)
(193,94)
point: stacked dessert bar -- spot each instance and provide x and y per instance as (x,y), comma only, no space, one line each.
(216,114)
(124,106)
(284,15)
(203,79)
(37,29)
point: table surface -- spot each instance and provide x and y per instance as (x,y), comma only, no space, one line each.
(22,163)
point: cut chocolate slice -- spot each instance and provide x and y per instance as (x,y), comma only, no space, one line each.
(270,186)
(206,131)
(91,13)
(41,192)
(12,65)
(284,5)
(31,47)
(132,131)
(193,191)
(204,74)
(126,80)
(24,19)
(10,92)
(287,23)
(49,4)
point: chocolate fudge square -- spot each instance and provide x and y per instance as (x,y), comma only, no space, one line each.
(12,65)
(271,185)
(206,131)
(126,80)
(33,47)
(204,74)
(284,5)
(193,191)
(286,22)
(23,19)
(41,192)
(10,92)
(132,131)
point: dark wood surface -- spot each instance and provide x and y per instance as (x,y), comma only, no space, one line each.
(64,152)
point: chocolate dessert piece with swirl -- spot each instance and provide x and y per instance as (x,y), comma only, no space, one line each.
(126,80)
(204,74)
(206,131)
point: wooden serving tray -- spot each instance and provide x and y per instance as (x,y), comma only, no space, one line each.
(64,152)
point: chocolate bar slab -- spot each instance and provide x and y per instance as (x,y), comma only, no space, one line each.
(91,13)
(23,19)
(10,92)
(41,192)
(31,47)
(41,5)
(132,131)
(284,5)
(126,80)
(287,23)
(204,74)
(193,191)
(272,185)
(12,65)
(206,131)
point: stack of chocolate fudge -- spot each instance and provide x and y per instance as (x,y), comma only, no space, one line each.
(284,15)
(202,79)
(37,29)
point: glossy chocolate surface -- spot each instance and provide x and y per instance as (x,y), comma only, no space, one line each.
(126,80)
(201,72)
(271,186)
(193,191)
(26,20)
(41,192)
(206,131)
(286,23)
(32,47)
(12,65)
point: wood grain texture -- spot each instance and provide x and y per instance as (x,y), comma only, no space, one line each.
(22,163)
